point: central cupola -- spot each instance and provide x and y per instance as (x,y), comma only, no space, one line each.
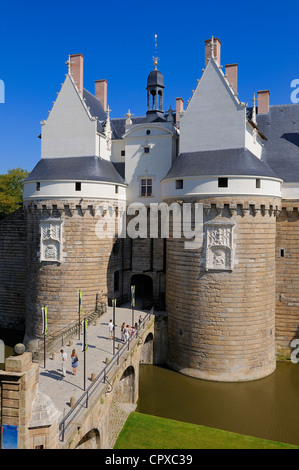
(155,87)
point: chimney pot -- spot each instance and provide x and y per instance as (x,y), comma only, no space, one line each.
(77,70)
(179,108)
(217,49)
(263,101)
(231,71)
(101,92)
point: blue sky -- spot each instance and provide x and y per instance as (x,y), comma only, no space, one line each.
(117,42)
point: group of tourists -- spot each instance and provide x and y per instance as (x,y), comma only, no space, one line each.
(126,331)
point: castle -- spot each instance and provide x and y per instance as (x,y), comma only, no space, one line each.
(232,302)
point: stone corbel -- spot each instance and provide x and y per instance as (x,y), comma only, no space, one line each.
(233,209)
(277,212)
(243,209)
(207,209)
(219,208)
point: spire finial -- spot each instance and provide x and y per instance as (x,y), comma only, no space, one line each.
(212,45)
(155,57)
(129,115)
(253,118)
(69,63)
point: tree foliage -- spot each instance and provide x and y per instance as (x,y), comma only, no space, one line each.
(11,190)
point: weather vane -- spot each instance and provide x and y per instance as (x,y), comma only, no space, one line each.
(156,58)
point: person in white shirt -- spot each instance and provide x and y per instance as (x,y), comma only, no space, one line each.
(63,361)
(111,328)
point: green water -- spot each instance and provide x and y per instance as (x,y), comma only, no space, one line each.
(266,408)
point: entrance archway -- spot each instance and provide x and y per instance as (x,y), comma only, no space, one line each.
(143,289)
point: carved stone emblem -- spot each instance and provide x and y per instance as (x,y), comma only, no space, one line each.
(50,240)
(219,247)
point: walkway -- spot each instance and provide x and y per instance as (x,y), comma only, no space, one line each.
(100,347)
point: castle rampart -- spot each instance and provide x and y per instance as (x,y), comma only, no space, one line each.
(221,298)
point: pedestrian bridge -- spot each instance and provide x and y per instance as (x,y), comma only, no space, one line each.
(98,415)
(87,410)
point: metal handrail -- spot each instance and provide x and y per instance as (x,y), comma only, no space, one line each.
(85,397)
(72,329)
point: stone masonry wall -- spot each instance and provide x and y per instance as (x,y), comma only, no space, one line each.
(221,324)
(287,278)
(13,255)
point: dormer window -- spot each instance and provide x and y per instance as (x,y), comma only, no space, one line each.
(146,149)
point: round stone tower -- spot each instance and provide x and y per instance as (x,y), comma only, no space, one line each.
(70,238)
(221,294)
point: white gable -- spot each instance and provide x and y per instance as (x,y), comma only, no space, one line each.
(70,131)
(215,118)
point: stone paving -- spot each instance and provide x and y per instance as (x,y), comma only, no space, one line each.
(100,347)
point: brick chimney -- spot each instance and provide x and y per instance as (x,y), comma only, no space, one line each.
(217,48)
(179,108)
(77,70)
(231,71)
(263,101)
(101,92)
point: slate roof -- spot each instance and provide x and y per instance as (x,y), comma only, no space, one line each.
(239,161)
(155,78)
(76,169)
(118,125)
(96,109)
(281,150)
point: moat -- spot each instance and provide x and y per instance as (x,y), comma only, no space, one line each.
(267,408)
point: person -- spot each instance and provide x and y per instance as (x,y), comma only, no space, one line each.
(127,332)
(140,320)
(111,328)
(63,361)
(122,331)
(74,359)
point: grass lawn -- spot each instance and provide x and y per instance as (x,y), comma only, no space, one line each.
(150,432)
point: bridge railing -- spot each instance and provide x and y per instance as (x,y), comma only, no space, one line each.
(52,340)
(100,380)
